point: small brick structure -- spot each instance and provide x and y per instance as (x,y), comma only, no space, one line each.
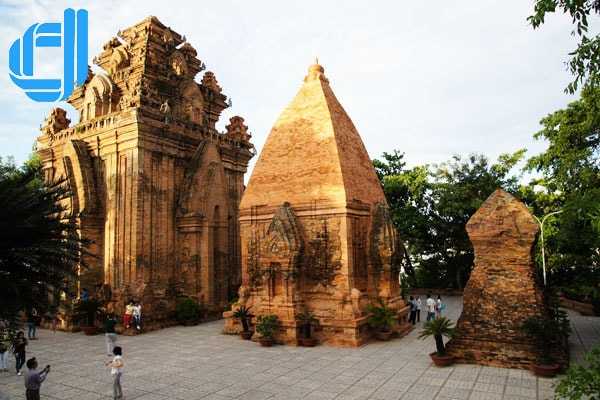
(503,291)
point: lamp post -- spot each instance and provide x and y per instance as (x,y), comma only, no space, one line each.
(541,223)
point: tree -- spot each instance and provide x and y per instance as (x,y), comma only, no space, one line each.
(39,243)
(571,182)
(430,206)
(584,64)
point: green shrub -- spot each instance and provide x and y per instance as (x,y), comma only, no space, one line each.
(582,382)
(381,317)
(188,310)
(438,328)
(267,325)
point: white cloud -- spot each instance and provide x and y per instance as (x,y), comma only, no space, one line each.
(428,79)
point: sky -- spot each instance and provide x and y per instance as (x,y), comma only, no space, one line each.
(431,79)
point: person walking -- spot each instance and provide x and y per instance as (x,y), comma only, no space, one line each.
(430,304)
(3,355)
(19,350)
(413,310)
(137,315)
(34,379)
(31,324)
(110,334)
(419,306)
(439,307)
(116,370)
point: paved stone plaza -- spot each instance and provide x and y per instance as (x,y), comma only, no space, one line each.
(200,363)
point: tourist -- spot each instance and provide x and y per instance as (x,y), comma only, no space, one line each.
(31,324)
(85,295)
(116,370)
(439,307)
(3,354)
(430,303)
(19,349)
(128,314)
(110,333)
(413,310)
(137,315)
(34,379)
(419,305)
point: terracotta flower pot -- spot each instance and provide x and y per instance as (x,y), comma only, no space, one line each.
(246,335)
(89,330)
(441,361)
(547,371)
(266,341)
(383,335)
(307,342)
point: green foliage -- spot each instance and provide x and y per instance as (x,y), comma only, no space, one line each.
(40,247)
(88,311)
(267,325)
(244,315)
(438,328)
(306,317)
(430,206)
(381,317)
(582,382)
(547,333)
(571,182)
(188,310)
(584,64)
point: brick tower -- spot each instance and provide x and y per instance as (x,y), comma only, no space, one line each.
(155,185)
(315,228)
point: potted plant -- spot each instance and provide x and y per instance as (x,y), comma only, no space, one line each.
(266,326)
(243,315)
(381,320)
(547,333)
(188,312)
(438,328)
(87,311)
(306,321)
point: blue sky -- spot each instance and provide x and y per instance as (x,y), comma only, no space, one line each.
(431,79)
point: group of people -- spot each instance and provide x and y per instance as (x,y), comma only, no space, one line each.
(133,314)
(34,378)
(434,308)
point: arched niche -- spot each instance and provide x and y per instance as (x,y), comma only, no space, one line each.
(100,98)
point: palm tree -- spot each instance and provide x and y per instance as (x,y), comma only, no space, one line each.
(40,247)
(438,328)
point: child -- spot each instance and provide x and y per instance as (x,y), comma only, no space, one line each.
(34,379)
(439,307)
(19,346)
(128,314)
(116,370)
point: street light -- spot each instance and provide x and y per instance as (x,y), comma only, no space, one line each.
(541,223)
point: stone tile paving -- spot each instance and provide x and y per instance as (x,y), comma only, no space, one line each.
(198,362)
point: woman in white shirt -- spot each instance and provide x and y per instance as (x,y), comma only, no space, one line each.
(137,315)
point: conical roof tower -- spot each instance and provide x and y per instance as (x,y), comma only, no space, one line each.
(313,152)
(315,230)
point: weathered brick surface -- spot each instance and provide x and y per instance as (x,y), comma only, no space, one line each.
(315,229)
(502,291)
(155,185)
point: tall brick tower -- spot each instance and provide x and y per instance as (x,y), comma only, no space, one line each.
(316,232)
(155,185)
